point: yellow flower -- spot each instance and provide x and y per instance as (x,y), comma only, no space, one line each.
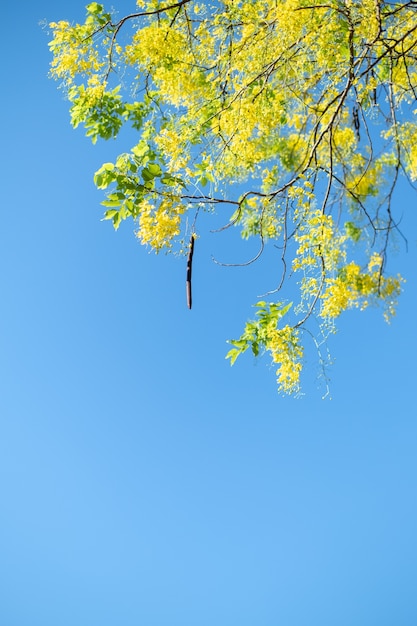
(159,225)
(286,351)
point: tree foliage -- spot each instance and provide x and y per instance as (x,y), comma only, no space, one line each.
(293,118)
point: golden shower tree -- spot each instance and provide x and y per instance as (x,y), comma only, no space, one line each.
(294,119)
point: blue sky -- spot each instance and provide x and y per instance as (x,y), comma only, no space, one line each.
(143,480)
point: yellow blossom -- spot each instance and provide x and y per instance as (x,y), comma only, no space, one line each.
(286,351)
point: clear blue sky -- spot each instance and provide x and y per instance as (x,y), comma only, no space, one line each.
(142,480)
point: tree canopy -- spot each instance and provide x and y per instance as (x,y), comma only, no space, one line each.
(294,119)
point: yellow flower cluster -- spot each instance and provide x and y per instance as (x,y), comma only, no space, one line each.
(354,288)
(174,70)
(319,243)
(174,147)
(286,351)
(365,179)
(159,225)
(345,141)
(73,52)
(93,92)
(406,134)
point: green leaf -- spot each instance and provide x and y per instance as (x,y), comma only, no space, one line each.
(147,175)
(285,310)
(106,167)
(154,169)
(151,171)
(140,149)
(94,7)
(239,343)
(111,202)
(104,176)
(109,214)
(117,218)
(232,355)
